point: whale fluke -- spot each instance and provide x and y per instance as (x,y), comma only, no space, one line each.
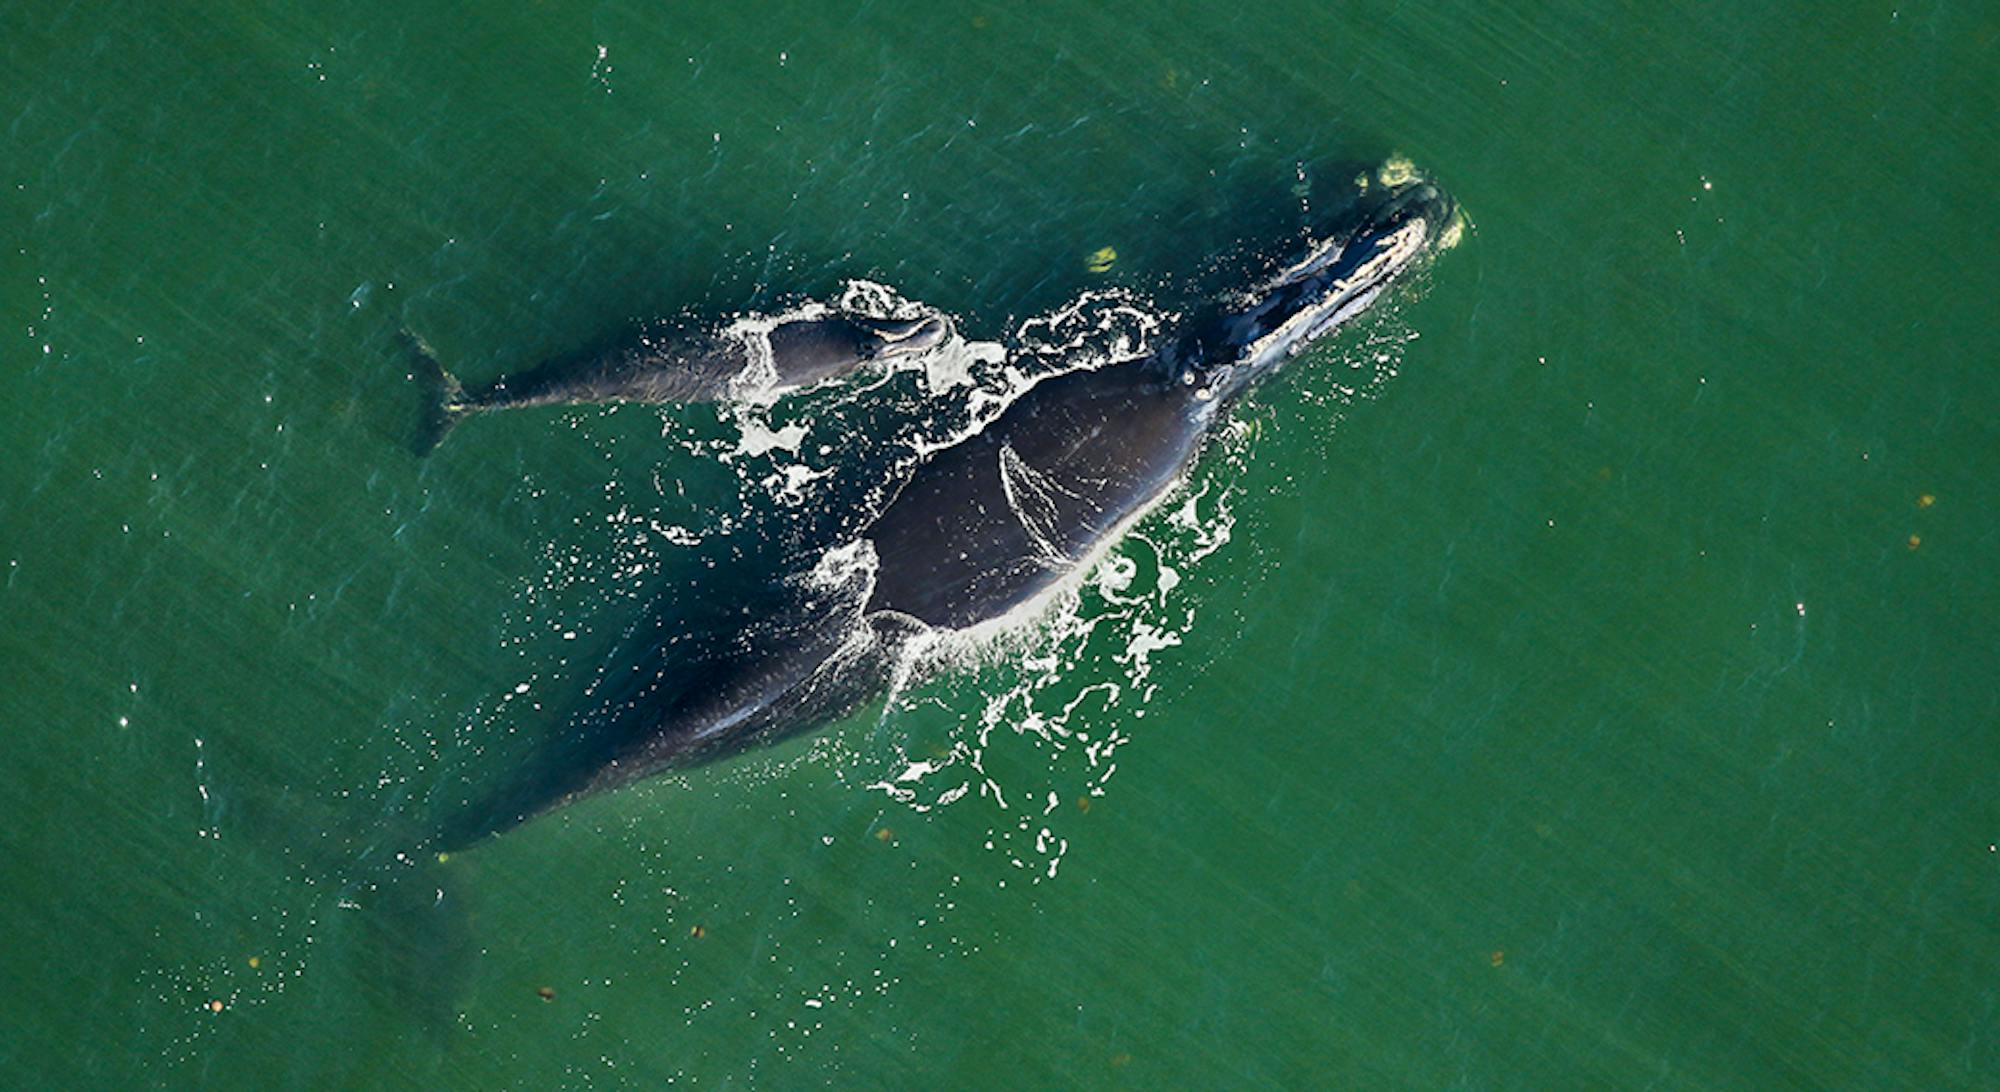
(444,396)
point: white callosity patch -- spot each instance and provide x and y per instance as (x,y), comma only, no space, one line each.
(1341,301)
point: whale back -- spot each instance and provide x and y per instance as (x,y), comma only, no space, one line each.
(806,352)
(986,524)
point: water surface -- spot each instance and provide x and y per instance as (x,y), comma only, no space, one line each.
(1603,696)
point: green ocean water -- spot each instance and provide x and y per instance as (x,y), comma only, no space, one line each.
(1604,697)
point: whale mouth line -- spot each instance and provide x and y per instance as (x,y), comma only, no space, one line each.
(1394,252)
(1336,280)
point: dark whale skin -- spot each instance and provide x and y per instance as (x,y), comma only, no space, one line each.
(704,367)
(663,366)
(990,522)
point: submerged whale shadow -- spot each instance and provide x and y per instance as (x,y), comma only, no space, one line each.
(701,633)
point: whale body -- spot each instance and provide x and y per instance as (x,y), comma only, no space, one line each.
(986,525)
(658,366)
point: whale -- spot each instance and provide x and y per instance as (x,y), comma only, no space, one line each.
(666,365)
(984,528)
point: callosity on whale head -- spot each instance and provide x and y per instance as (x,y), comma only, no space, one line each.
(906,337)
(1335,280)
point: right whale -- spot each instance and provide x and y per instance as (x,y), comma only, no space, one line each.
(660,366)
(986,525)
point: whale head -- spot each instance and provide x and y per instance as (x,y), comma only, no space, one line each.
(905,337)
(1335,279)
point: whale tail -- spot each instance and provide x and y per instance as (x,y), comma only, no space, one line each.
(408,929)
(380,901)
(444,396)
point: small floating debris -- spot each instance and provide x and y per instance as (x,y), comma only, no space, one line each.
(884,834)
(1926,500)
(697,932)
(1498,957)
(215,1005)
(1101,259)
(546,993)
(1914,541)
(255,962)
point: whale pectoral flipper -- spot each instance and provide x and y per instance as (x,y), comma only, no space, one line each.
(444,396)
